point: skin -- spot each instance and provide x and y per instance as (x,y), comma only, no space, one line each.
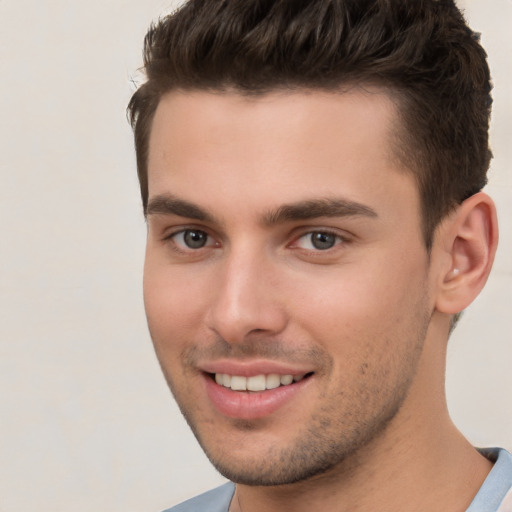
(366,318)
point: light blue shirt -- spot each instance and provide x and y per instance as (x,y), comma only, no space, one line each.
(495,495)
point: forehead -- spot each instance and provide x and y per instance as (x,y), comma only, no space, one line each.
(358,116)
(275,148)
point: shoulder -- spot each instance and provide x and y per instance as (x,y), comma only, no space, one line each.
(216,500)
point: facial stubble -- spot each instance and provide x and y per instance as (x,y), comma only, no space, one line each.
(327,440)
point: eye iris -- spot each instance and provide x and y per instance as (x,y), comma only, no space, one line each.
(323,241)
(195,239)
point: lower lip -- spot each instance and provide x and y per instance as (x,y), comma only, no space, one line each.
(245,405)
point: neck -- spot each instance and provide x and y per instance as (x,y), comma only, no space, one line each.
(443,473)
(420,463)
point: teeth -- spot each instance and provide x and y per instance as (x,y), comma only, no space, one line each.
(238,383)
(273,381)
(257,382)
(286,379)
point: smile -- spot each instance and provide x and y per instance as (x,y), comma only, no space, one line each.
(250,397)
(255,383)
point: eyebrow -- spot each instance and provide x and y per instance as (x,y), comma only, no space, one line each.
(315,208)
(167,204)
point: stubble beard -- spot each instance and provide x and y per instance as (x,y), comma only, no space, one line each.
(323,446)
(327,441)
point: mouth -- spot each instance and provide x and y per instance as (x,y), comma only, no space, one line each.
(255,389)
(257,383)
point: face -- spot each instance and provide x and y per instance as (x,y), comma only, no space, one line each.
(286,278)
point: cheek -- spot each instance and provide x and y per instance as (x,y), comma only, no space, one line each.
(364,303)
(346,296)
(173,302)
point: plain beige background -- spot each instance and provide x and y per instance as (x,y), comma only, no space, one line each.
(86,421)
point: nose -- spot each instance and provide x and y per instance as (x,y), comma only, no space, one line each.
(247,299)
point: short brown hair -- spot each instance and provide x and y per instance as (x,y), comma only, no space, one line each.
(422,51)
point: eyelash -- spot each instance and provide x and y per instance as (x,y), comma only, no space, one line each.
(182,247)
(338,240)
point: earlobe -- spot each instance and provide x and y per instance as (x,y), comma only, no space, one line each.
(470,241)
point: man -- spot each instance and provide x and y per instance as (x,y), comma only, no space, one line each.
(311,175)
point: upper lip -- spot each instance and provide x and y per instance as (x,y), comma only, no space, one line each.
(253,367)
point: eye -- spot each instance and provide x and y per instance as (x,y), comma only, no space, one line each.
(318,241)
(192,239)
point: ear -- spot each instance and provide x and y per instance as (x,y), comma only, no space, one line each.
(468,240)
